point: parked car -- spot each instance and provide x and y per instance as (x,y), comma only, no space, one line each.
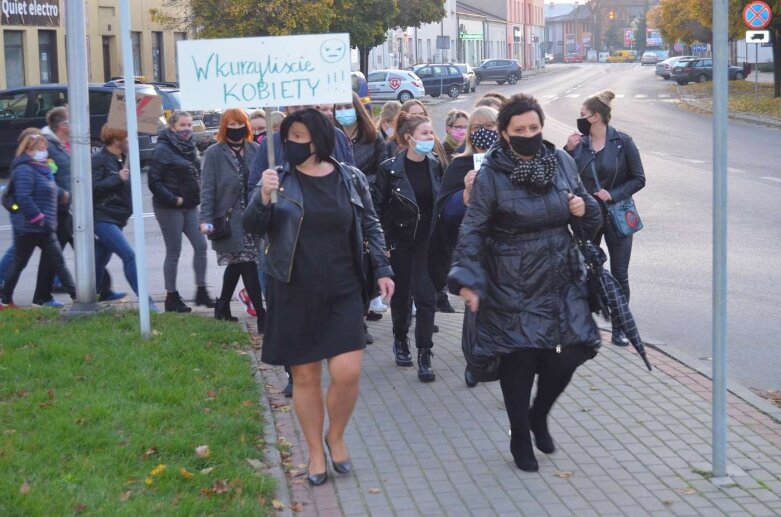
(664,68)
(499,70)
(401,85)
(573,58)
(622,56)
(438,79)
(661,54)
(701,70)
(649,58)
(471,79)
(548,58)
(360,86)
(27,106)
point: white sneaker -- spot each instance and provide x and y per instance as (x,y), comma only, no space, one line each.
(414,309)
(376,305)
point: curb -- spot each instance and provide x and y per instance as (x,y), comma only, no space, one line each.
(271,456)
(750,118)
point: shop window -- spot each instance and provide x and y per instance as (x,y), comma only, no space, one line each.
(158,66)
(47,56)
(135,38)
(14,59)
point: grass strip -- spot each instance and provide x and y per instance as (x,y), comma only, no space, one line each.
(741,97)
(96,421)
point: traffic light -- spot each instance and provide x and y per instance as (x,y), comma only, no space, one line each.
(611,15)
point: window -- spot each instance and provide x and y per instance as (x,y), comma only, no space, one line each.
(13,105)
(47,56)
(99,102)
(135,38)
(377,77)
(158,63)
(14,59)
(46,100)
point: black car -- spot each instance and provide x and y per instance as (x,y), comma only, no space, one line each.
(439,79)
(499,70)
(701,70)
(27,106)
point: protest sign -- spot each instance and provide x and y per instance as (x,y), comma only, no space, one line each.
(269,71)
(149,108)
(477,159)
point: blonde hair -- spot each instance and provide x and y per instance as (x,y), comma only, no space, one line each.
(30,140)
(602,103)
(389,111)
(275,119)
(479,115)
(257,114)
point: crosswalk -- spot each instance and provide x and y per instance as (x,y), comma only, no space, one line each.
(636,96)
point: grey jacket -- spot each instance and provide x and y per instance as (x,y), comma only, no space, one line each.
(221,191)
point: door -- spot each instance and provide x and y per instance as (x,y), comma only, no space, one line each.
(106,58)
(378,86)
(494,71)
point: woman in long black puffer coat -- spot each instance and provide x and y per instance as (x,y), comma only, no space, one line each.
(517,267)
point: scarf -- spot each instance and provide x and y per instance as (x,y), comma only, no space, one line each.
(535,173)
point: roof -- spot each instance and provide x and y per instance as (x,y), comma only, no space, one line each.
(579,13)
(553,10)
(463,8)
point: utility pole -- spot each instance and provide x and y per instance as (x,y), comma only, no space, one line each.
(81,165)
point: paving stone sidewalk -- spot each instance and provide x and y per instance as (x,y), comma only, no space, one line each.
(629,442)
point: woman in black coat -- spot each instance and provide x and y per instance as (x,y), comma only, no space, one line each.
(224,195)
(517,267)
(599,150)
(174,179)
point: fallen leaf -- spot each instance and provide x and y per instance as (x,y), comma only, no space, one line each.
(221,486)
(594,388)
(686,491)
(277,504)
(207,470)
(80,508)
(564,474)
(149,481)
(297,507)
(298,481)
(25,487)
(156,332)
(248,403)
(374,490)
(262,500)
(185,473)
(125,496)
(88,358)
(255,464)
(158,470)
(211,394)
(202,451)
(51,394)
(152,451)
(294,473)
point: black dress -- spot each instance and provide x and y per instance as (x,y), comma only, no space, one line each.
(319,314)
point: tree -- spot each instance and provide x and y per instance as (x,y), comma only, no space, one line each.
(414,13)
(367,21)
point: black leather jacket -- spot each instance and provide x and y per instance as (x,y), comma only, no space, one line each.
(394,199)
(111,197)
(282,223)
(619,168)
(174,171)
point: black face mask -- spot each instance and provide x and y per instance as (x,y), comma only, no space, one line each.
(236,134)
(526,145)
(584,126)
(297,153)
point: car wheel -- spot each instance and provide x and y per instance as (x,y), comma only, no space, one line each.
(499,82)
(666,77)
(454,91)
(405,96)
(512,78)
(702,78)
(435,95)
(682,83)
(738,76)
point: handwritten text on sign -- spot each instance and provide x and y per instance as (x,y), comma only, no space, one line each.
(271,71)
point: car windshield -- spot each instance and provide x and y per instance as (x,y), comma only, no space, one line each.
(172,99)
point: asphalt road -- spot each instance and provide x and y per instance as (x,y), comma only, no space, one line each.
(670,272)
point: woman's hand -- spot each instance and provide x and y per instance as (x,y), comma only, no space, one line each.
(205,229)
(270,182)
(604,195)
(124,175)
(179,201)
(386,286)
(471,299)
(469,182)
(577,206)
(573,141)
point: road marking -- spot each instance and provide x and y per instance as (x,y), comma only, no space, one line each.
(735,171)
(548,96)
(664,96)
(771,179)
(696,162)
(620,96)
(641,96)
(573,95)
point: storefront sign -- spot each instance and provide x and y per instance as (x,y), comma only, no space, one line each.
(471,35)
(33,13)
(269,71)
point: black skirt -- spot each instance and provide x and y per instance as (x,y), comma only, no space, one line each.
(306,325)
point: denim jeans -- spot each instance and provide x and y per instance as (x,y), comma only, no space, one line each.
(24,245)
(110,240)
(5,263)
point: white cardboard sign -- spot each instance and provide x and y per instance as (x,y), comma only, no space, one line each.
(269,71)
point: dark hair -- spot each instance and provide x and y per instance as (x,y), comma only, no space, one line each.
(601,103)
(321,130)
(175,116)
(56,116)
(518,104)
(366,129)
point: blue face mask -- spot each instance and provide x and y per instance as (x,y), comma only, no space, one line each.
(346,117)
(424,146)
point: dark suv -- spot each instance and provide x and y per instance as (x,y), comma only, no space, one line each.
(27,106)
(499,70)
(439,79)
(701,70)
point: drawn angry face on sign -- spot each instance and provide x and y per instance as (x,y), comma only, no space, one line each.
(332,50)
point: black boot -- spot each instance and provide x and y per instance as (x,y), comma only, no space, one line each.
(222,310)
(202,297)
(401,352)
(539,426)
(425,373)
(174,303)
(521,449)
(368,338)
(469,379)
(261,320)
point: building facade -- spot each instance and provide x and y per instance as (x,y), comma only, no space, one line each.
(33,42)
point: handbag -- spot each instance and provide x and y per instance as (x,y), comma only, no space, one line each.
(8,198)
(221,227)
(481,363)
(623,215)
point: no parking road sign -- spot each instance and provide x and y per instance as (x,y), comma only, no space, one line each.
(757,15)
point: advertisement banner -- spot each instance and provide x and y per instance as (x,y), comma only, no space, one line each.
(31,13)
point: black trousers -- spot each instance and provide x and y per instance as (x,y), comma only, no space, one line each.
(50,250)
(248,271)
(619,249)
(516,377)
(47,268)
(410,268)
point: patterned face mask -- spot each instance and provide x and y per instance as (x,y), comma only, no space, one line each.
(484,138)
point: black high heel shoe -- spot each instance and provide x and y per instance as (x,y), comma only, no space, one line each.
(342,467)
(317,479)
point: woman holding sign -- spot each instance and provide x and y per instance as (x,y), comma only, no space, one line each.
(316,272)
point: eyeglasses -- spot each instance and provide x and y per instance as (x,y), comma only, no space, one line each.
(460,126)
(484,125)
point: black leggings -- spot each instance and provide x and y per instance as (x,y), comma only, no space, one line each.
(620,250)
(50,250)
(248,271)
(516,376)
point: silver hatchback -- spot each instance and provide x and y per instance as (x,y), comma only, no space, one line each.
(401,85)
